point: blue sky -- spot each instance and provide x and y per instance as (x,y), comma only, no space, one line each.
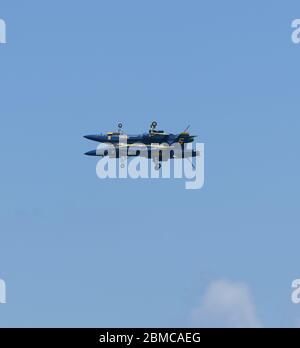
(79,251)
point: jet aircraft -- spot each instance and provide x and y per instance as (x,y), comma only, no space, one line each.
(157,145)
(153,136)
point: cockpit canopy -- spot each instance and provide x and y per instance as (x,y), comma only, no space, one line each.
(157,131)
(113,133)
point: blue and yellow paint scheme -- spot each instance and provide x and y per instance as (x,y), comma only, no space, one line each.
(156,145)
(153,136)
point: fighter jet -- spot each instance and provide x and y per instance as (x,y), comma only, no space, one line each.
(156,145)
(153,136)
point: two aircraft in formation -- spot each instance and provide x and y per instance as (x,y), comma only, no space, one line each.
(157,145)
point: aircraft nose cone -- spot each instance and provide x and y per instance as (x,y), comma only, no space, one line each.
(91,137)
(91,153)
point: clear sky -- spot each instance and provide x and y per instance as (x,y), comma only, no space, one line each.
(79,251)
